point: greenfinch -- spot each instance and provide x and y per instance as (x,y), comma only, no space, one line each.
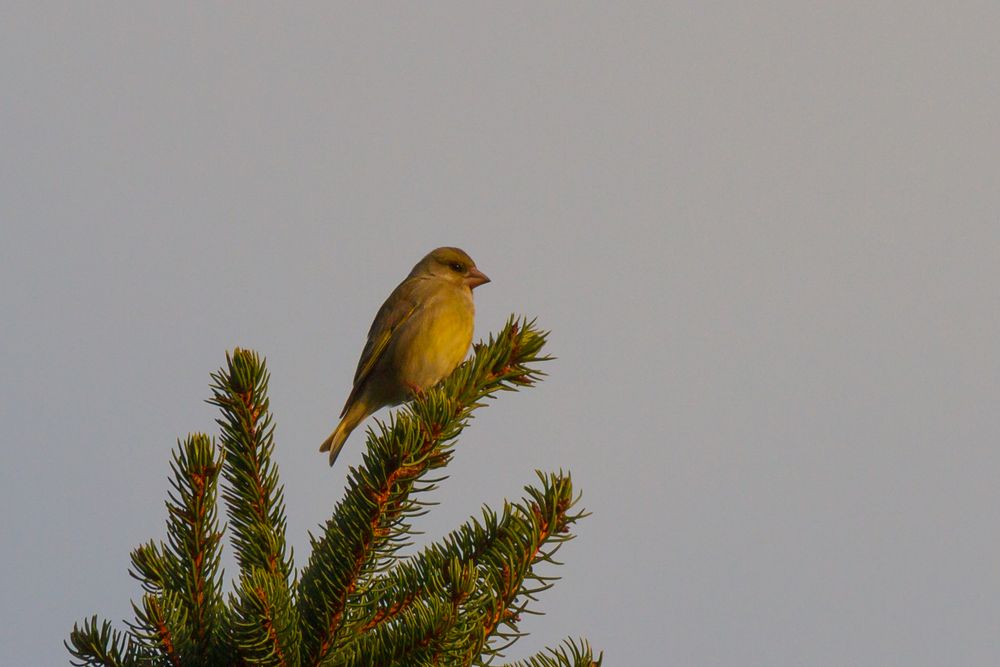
(420,334)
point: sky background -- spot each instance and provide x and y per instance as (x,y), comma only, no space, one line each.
(765,237)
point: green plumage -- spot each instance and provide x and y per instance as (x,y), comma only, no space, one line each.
(420,334)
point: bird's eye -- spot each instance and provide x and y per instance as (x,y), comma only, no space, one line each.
(457,267)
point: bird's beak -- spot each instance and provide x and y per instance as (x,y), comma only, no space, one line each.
(476,278)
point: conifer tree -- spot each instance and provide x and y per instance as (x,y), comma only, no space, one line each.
(357,601)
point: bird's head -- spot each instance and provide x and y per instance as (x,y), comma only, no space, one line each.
(451,264)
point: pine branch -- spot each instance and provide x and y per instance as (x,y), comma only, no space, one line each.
(504,551)
(401,642)
(512,565)
(254,499)
(194,541)
(569,654)
(370,524)
(486,569)
(94,646)
(265,622)
(150,567)
(181,611)
(161,629)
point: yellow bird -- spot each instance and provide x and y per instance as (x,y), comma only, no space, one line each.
(420,334)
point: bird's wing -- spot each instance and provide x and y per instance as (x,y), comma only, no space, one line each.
(396,310)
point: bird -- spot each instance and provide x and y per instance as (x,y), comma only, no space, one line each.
(420,334)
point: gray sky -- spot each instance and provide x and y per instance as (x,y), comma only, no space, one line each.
(765,237)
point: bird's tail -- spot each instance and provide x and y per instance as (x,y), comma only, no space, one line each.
(354,416)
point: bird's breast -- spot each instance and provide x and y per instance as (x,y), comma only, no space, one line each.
(436,339)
